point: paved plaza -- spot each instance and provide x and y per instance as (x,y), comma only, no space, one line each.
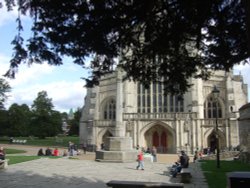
(79,173)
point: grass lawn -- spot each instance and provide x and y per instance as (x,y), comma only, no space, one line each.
(60,141)
(13,151)
(216,177)
(20,159)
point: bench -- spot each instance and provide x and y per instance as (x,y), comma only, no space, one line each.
(19,141)
(185,175)
(137,184)
(4,163)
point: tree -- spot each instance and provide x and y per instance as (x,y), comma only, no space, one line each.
(74,123)
(4,124)
(170,39)
(4,89)
(19,120)
(45,121)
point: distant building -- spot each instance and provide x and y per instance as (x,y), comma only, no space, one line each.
(171,123)
(65,127)
(71,114)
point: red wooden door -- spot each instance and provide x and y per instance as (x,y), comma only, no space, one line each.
(156,139)
(164,139)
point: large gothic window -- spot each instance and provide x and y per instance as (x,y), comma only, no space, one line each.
(212,108)
(109,109)
(153,100)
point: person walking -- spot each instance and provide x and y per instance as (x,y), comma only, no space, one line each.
(140,161)
(154,152)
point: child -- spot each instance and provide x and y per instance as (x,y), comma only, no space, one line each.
(140,161)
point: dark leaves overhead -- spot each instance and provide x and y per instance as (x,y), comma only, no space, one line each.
(170,39)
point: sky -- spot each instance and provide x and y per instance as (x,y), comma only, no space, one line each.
(62,83)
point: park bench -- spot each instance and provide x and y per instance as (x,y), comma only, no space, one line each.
(185,175)
(19,141)
(136,184)
(4,163)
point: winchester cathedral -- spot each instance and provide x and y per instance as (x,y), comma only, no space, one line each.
(170,123)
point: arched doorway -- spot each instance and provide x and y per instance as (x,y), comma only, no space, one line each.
(212,142)
(105,139)
(159,137)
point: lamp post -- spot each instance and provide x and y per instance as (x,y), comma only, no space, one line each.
(216,93)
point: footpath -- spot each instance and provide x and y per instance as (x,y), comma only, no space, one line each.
(85,172)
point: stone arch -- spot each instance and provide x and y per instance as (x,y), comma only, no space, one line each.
(221,104)
(210,139)
(103,108)
(160,135)
(103,135)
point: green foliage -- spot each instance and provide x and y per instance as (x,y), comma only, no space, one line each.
(74,123)
(4,89)
(216,177)
(19,120)
(173,39)
(45,121)
(4,123)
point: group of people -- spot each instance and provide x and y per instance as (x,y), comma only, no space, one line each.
(50,152)
(142,152)
(72,150)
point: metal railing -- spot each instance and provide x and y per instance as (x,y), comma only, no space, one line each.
(158,116)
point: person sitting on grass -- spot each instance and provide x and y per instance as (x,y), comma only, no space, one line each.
(56,152)
(40,152)
(48,152)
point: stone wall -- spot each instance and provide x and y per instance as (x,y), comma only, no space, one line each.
(244,133)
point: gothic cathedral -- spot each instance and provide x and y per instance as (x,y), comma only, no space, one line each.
(170,123)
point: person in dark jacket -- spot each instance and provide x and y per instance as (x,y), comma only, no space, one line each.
(183,163)
(48,152)
(40,152)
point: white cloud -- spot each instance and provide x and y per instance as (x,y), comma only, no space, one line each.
(65,95)
(62,84)
(9,16)
(6,16)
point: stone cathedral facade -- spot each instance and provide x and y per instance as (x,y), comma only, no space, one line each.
(170,123)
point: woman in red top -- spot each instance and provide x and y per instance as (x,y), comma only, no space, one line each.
(56,152)
(140,160)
